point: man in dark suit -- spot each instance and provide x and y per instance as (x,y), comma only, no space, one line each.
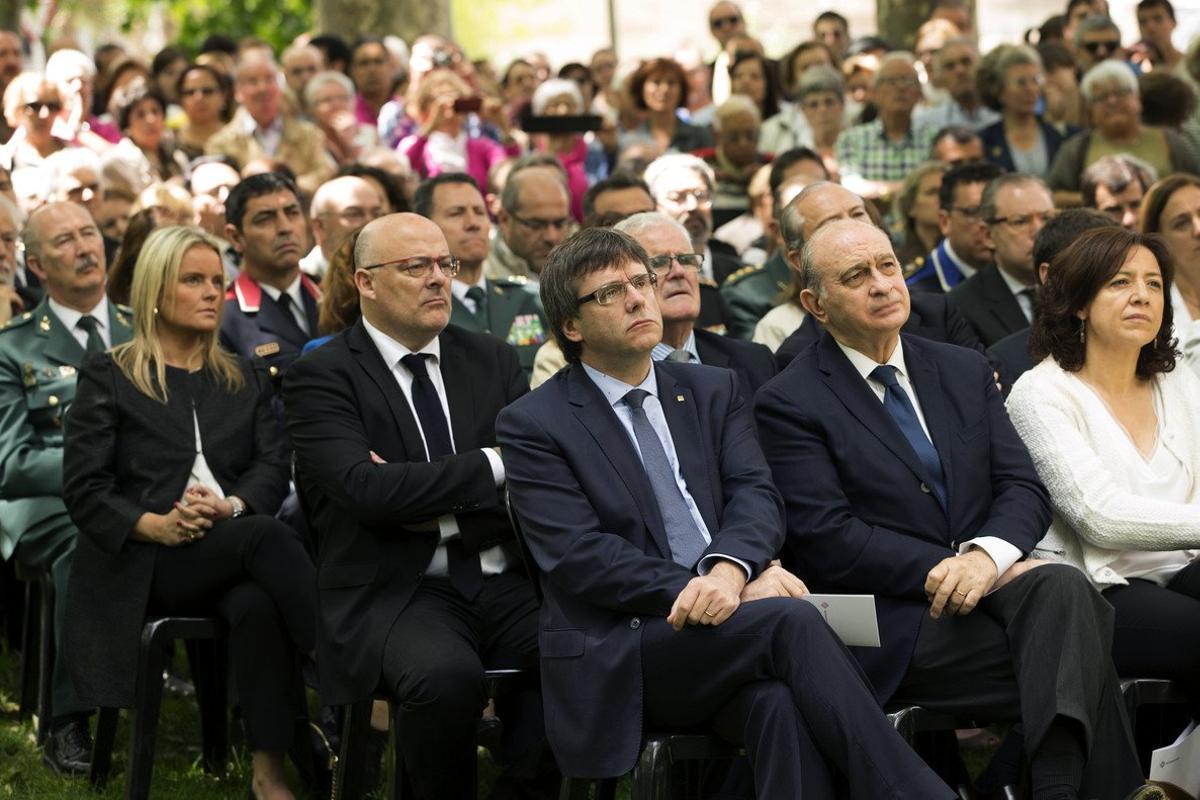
(1011,354)
(40,353)
(964,248)
(505,307)
(271,309)
(678,270)
(902,476)
(649,511)
(683,186)
(419,582)
(998,300)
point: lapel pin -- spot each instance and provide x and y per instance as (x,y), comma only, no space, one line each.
(678,398)
(44,324)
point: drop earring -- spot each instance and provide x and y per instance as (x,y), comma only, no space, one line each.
(1082,331)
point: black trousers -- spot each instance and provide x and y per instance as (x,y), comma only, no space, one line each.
(1036,650)
(254,573)
(433,663)
(776,679)
(1157,632)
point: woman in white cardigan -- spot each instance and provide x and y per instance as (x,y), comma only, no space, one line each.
(1114,431)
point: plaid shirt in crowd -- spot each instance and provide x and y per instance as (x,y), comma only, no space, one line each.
(866,151)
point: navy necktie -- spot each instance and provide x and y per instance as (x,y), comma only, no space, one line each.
(95,342)
(898,404)
(684,538)
(463,568)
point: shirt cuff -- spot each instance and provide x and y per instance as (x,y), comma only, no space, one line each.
(497,465)
(705,565)
(1003,553)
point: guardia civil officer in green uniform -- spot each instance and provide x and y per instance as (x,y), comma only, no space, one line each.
(751,292)
(509,308)
(40,352)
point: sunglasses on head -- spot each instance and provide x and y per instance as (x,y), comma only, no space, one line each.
(725,22)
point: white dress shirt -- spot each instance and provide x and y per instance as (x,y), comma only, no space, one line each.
(662,350)
(1003,553)
(614,392)
(1187,330)
(295,291)
(269,137)
(492,561)
(70,318)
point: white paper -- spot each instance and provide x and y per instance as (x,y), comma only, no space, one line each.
(852,617)
(1179,763)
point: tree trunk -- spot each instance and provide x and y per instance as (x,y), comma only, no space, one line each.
(405,18)
(9,12)
(898,20)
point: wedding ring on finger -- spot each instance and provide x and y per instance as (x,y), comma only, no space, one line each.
(963,594)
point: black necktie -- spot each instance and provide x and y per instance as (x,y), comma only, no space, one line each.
(95,343)
(286,303)
(479,296)
(464,570)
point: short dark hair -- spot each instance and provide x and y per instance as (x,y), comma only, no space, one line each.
(657,66)
(1155,201)
(831,16)
(1167,99)
(972,172)
(772,92)
(784,161)
(166,57)
(255,186)
(961,135)
(390,183)
(224,85)
(1076,275)
(1062,229)
(1114,173)
(219,43)
(621,179)
(588,251)
(1055,55)
(363,41)
(1071,4)
(1165,5)
(423,197)
(334,48)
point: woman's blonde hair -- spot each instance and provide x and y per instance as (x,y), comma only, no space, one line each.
(154,278)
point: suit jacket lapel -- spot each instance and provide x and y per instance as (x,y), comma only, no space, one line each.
(368,358)
(679,407)
(60,345)
(592,410)
(461,316)
(272,319)
(120,326)
(711,355)
(459,395)
(1003,303)
(858,398)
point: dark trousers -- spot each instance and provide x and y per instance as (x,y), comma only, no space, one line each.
(51,545)
(254,573)
(775,679)
(1032,652)
(1157,632)
(433,663)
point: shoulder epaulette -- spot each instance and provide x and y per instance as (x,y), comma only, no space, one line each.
(17,321)
(914,267)
(707,281)
(742,273)
(511,280)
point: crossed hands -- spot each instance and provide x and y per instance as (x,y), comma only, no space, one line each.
(711,599)
(187,521)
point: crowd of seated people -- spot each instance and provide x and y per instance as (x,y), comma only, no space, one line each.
(409,366)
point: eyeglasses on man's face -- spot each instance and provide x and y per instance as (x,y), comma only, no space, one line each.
(606,294)
(540,225)
(662,264)
(421,267)
(1023,220)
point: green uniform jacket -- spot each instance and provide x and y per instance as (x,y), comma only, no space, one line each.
(513,313)
(39,359)
(750,293)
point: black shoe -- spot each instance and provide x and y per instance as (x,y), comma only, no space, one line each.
(69,749)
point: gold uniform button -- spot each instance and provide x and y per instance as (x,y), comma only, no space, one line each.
(274,371)
(52,400)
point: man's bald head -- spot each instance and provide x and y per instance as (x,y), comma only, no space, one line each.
(339,207)
(816,205)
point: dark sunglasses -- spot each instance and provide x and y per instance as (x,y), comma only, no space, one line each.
(37,105)
(1109,45)
(725,22)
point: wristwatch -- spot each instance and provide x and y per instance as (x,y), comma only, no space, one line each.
(239,508)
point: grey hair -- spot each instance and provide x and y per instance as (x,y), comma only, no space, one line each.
(1105,73)
(994,66)
(987,204)
(64,162)
(556,87)
(821,78)
(636,225)
(63,63)
(662,165)
(895,56)
(320,79)
(736,104)
(510,195)
(1095,22)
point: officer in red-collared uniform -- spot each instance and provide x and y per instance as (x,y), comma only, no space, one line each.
(271,309)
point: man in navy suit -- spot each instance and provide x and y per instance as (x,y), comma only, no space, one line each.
(649,512)
(271,309)
(678,269)
(903,477)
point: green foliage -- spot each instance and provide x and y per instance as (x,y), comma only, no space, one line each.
(277,22)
